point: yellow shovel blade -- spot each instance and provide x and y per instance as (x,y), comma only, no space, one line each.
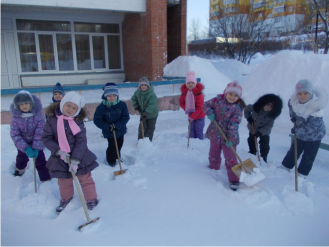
(117,173)
(248,164)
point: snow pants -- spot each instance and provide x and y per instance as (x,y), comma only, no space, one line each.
(197,128)
(215,159)
(111,151)
(310,150)
(149,127)
(264,145)
(40,164)
(87,184)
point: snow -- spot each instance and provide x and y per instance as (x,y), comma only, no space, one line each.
(169,196)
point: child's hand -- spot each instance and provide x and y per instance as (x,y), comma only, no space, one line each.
(190,119)
(36,153)
(29,152)
(74,166)
(229,144)
(112,127)
(211,116)
(138,109)
(143,119)
(250,120)
(62,155)
(293,119)
(293,131)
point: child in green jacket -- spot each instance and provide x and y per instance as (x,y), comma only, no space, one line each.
(145,101)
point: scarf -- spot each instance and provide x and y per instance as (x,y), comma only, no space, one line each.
(107,103)
(62,140)
(28,114)
(189,102)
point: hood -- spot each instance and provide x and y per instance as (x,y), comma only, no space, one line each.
(54,110)
(197,90)
(267,98)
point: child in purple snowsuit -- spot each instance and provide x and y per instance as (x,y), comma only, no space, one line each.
(25,130)
(227,110)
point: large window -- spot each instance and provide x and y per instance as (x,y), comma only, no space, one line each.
(68,46)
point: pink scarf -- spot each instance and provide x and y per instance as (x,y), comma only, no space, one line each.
(62,140)
(189,102)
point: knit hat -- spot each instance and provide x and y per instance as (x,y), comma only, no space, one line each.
(144,81)
(304,85)
(58,89)
(110,88)
(22,97)
(74,98)
(190,77)
(233,87)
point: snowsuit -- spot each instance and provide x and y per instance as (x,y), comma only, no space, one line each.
(198,116)
(309,130)
(228,117)
(79,151)
(119,116)
(25,130)
(263,122)
(148,102)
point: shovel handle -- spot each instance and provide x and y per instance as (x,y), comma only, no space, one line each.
(296,171)
(116,146)
(253,128)
(35,176)
(142,126)
(189,133)
(233,150)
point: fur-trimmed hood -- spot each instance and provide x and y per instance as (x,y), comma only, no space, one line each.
(313,107)
(269,98)
(37,108)
(196,90)
(53,110)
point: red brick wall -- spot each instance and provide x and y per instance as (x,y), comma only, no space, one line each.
(145,41)
(176,19)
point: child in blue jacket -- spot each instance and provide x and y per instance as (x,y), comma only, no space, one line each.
(112,115)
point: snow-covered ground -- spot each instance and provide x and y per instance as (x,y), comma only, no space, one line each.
(169,196)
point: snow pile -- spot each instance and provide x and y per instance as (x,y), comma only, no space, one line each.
(213,80)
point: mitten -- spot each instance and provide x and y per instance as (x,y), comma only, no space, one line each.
(112,128)
(250,120)
(74,166)
(293,119)
(36,153)
(143,119)
(63,155)
(293,131)
(190,119)
(29,152)
(211,116)
(138,108)
(229,144)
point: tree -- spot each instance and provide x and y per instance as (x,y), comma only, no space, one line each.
(195,29)
(321,8)
(242,31)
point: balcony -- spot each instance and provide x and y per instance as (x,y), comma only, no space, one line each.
(171,3)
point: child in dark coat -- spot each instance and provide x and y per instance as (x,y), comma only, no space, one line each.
(262,115)
(306,112)
(112,114)
(58,93)
(64,134)
(145,101)
(25,130)
(227,110)
(192,100)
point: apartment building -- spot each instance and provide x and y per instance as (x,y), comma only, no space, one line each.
(88,42)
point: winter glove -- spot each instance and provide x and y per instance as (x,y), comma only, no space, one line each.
(29,152)
(63,155)
(211,116)
(190,119)
(250,120)
(293,131)
(138,108)
(36,153)
(74,166)
(229,144)
(143,119)
(293,119)
(112,128)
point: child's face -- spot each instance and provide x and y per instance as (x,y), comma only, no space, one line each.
(144,87)
(111,98)
(25,107)
(268,107)
(58,96)
(190,85)
(303,96)
(231,97)
(69,109)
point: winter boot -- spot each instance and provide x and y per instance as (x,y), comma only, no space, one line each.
(19,172)
(113,164)
(265,158)
(284,168)
(301,175)
(62,205)
(254,153)
(92,203)
(234,185)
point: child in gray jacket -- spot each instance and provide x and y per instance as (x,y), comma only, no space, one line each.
(262,115)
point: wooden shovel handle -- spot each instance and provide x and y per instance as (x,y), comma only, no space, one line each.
(142,126)
(253,129)
(295,152)
(116,146)
(233,150)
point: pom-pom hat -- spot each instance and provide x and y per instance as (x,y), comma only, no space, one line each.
(58,89)
(110,88)
(190,78)
(233,87)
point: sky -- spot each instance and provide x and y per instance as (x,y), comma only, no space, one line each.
(198,9)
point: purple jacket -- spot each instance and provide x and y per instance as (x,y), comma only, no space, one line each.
(26,131)
(228,117)
(78,145)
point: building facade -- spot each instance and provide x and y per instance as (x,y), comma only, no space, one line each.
(88,42)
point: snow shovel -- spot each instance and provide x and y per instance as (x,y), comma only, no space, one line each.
(142,127)
(116,173)
(296,171)
(189,133)
(35,176)
(81,199)
(253,128)
(247,164)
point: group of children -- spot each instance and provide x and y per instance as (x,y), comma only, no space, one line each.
(64,133)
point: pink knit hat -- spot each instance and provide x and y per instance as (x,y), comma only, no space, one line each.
(190,77)
(233,87)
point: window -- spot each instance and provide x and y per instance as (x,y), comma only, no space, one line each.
(290,8)
(278,10)
(48,46)
(260,15)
